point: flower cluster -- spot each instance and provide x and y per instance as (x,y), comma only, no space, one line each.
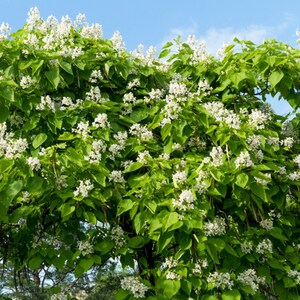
(221,114)
(85,247)
(249,277)
(116,176)
(34,163)
(133,285)
(82,128)
(85,186)
(294,275)
(46,103)
(264,247)
(215,227)
(258,119)
(220,280)
(117,235)
(141,132)
(185,201)
(101,121)
(95,155)
(26,82)
(244,160)
(9,147)
(217,156)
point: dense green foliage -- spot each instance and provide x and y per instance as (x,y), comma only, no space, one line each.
(175,165)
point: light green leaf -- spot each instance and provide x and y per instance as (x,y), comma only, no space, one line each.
(231,295)
(53,77)
(39,140)
(275,78)
(241,180)
(124,206)
(67,209)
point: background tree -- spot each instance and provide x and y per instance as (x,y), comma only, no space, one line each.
(176,165)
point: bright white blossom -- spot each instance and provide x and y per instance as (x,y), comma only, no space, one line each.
(101,121)
(220,280)
(217,156)
(117,235)
(141,132)
(85,186)
(244,160)
(215,227)
(46,103)
(249,277)
(95,76)
(95,155)
(117,42)
(34,163)
(258,119)
(294,275)
(143,156)
(179,177)
(26,82)
(116,176)
(247,247)
(82,128)
(133,285)
(185,200)
(85,247)
(264,247)
(173,276)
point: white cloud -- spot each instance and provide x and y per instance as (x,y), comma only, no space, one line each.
(216,37)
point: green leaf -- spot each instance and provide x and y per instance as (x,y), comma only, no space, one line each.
(136,242)
(122,295)
(170,287)
(124,206)
(133,167)
(241,180)
(164,53)
(165,131)
(169,220)
(90,217)
(4,112)
(275,78)
(53,77)
(35,262)
(231,295)
(164,240)
(86,263)
(66,66)
(105,246)
(67,209)
(259,191)
(39,140)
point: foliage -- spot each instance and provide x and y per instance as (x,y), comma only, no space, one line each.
(176,165)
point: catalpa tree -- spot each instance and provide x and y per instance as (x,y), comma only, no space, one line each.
(175,165)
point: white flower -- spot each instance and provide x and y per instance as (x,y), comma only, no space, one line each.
(94,95)
(177,89)
(217,110)
(85,186)
(179,177)
(92,32)
(217,156)
(95,155)
(95,76)
(46,103)
(101,121)
(295,275)
(264,247)
(170,262)
(243,160)
(34,163)
(85,247)
(117,42)
(258,119)
(294,176)
(82,128)
(204,87)
(26,82)
(220,280)
(34,18)
(247,247)
(254,142)
(250,278)
(173,276)
(156,94)
(133,285)
(143,156)
(141,132)
(134,83)
(116,176)
(117,235)
(296,160)
(266,224)
(215,227)
(185,201)
(288,142)
(4,31)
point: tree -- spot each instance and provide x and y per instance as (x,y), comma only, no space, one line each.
(176,165)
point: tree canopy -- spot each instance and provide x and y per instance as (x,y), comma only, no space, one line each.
(175,164)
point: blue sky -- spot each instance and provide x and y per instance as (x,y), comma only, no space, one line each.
(157,21)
